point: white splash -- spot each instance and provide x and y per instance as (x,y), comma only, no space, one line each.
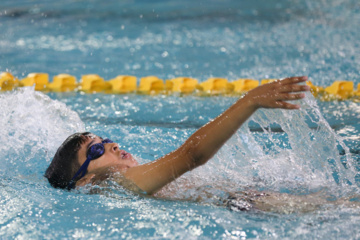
(33,126)
(304,157)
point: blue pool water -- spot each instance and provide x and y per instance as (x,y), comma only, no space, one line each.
(315,149)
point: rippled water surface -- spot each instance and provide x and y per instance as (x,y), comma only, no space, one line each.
(315,149)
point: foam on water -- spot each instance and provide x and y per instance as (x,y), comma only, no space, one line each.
(305,157)
(33,126)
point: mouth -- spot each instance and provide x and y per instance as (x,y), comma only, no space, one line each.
(128,158)
(125,155)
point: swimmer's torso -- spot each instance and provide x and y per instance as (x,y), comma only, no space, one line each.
(237,201)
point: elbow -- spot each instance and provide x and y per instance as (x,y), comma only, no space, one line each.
(196,155)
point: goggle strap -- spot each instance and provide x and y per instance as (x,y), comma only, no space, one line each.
(81,171)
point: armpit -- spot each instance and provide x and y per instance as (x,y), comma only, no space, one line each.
(126,183)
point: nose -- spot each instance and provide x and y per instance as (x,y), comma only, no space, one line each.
(114,147)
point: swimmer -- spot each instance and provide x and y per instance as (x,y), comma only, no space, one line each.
(85,158)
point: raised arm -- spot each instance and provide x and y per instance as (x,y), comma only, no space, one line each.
(207,140)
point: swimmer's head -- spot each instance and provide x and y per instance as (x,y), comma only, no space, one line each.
(97,153)
(65,162)
(82,153)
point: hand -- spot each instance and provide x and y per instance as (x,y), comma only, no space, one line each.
(275,94)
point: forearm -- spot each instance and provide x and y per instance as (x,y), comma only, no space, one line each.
(197,150)
(206,141)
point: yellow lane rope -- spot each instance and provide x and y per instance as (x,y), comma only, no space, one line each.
(93,83)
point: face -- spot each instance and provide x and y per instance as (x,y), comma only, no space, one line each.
(113,156)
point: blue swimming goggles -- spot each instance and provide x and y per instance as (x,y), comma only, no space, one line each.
(94,152)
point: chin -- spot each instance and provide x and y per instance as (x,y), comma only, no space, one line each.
(134,163)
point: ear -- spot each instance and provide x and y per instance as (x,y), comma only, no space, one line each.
(85,180)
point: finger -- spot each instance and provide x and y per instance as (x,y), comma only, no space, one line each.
(289,97)
(286,105)
(294,80)
(294,88)
(292,96)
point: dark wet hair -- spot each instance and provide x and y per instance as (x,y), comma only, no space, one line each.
(65,162)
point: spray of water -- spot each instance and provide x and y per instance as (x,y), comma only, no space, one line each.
(285,150)
(33,126)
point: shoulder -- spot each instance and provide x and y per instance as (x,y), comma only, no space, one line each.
(112,173)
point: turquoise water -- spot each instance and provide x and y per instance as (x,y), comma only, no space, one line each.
(315,149)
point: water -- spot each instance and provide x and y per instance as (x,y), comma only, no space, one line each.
(315,149)
(229,39)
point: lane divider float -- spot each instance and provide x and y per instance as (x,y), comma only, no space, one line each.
(93,83)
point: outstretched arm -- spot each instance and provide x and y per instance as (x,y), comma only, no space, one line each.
(207,140)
